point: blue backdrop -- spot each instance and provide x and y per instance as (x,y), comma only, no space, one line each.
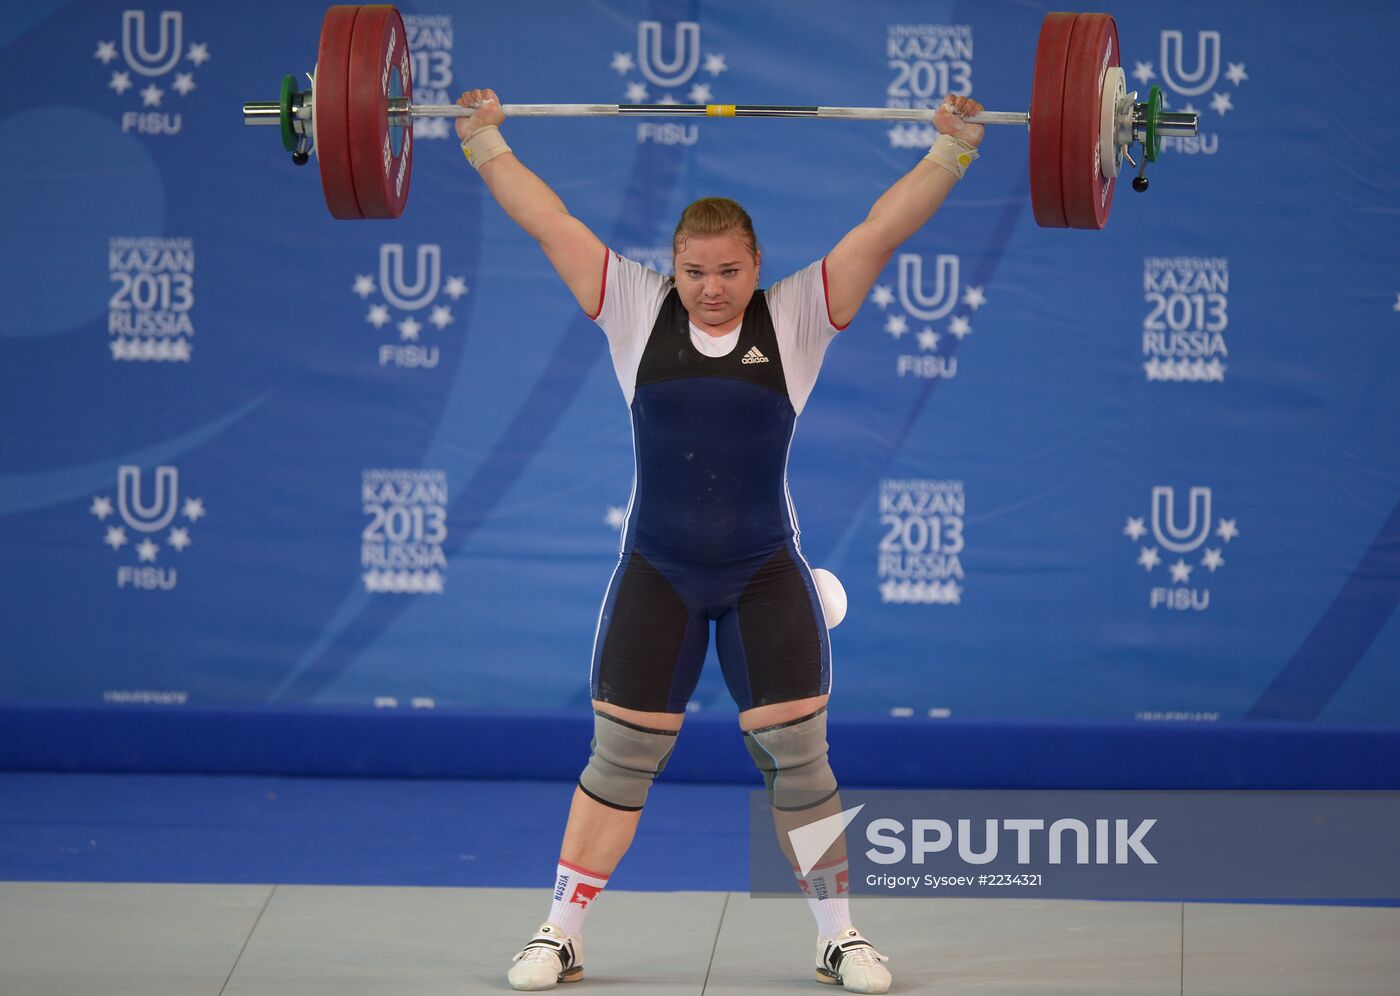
(254,459)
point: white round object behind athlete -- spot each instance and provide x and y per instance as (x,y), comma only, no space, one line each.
(832,594)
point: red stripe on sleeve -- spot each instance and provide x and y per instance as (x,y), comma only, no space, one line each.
(603,291)
(826,296)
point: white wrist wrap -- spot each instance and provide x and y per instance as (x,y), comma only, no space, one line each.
(953,155)
(484,145)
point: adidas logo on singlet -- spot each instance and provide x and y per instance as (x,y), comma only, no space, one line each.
(754,356)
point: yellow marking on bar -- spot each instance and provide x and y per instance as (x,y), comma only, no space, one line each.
(719,110)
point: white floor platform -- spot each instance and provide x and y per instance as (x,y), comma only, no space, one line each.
(76,939)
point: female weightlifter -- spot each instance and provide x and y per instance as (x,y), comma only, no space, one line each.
(715,372)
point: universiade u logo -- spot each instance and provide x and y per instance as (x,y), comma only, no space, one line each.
(1207,70)
(397,290)
(687,53)
(911,286)
(172,42)
(138,515)
(1164,526)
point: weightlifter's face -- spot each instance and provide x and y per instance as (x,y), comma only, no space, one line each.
(716,276)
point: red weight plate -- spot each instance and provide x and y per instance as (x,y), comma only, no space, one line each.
(330,112)
(1093,48)
(380,153)
(1047,96)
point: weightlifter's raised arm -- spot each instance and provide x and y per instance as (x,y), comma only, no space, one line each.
(851,268)
(574,251)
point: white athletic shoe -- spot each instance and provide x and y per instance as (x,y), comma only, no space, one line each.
(551,957)
(850,961)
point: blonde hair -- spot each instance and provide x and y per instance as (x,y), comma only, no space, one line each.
(715,216)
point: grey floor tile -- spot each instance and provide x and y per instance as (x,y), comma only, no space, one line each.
(360,941)
(1243,950)
(962,946)
(71,938)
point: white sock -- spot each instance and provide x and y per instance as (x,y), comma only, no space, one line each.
(575,889)
(828,889)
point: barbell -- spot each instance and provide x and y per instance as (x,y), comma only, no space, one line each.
(358,113)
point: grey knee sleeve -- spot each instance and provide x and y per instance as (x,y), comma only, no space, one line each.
(625,760)
(792,757)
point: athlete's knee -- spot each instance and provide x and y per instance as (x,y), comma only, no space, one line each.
(792,757)
(626,759)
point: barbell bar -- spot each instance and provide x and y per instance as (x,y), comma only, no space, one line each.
(402,112)
(357,116)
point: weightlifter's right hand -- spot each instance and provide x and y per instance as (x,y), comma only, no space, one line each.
(487,112)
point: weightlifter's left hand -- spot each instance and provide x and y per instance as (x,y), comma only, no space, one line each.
(949,119)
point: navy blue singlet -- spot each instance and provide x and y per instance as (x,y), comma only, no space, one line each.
(710,535)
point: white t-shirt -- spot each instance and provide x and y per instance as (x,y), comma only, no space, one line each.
(632,298)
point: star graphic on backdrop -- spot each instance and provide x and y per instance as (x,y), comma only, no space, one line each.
(184,83)
(1397,302)
(179,538)
(896,325)
(1149,558)
(101,507)
(928,339)
(378,316)
(1220,103)
(714,64)
(1227,530)
(1142,72)
(146,550)
(121,82)
(106,51)
(1215,370)
(616,516)
(974,298)
(667,100)
(194,509)
(409,329)
(1236,73)
(1135,529)
(364,285)
(636,93)
(116,537)
(622,62)
(456,287)
(150,97)
(960,327)
(888,590)
(1181,571)
(441,317)
(700,93)
(198,54)
(883,296)
(1212,560)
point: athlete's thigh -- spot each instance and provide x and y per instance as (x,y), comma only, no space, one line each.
(773,646)
(650,644)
